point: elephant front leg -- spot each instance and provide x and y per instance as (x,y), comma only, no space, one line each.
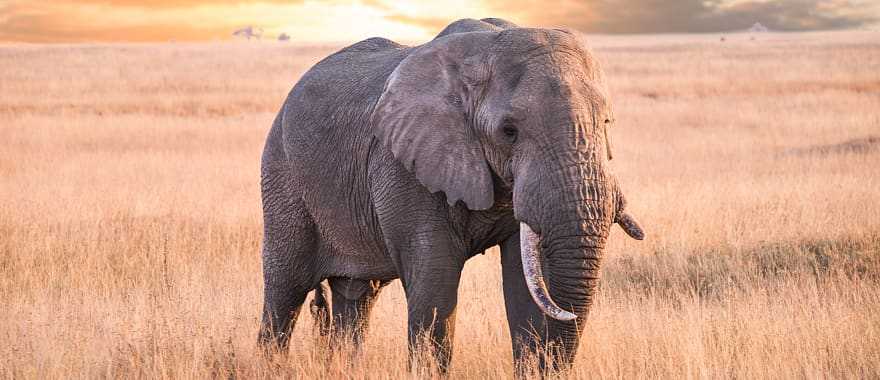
(432,295)
(527,322)
(428,256)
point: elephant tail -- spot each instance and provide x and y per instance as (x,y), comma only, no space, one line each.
(320,308)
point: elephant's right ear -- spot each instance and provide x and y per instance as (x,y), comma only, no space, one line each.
(423,117)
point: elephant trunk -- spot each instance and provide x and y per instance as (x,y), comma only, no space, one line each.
(570,258)
(577,250)
(565,212)
(569,250)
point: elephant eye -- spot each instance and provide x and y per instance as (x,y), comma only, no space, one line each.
(510,132)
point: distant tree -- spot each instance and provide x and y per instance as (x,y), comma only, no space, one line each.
(758,28)
(249,32)
(283,37)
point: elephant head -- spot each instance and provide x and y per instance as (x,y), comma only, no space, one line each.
(523,111)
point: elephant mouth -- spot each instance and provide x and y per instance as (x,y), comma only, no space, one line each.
(530,251)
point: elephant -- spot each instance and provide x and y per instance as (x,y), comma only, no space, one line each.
(402,162)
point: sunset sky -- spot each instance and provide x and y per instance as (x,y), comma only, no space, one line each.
(182,20)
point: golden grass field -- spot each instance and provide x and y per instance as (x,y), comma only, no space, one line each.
(130,221)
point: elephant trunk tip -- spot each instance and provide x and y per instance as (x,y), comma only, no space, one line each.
(625,220)
(630,226)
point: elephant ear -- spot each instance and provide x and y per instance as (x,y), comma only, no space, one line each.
(423,117)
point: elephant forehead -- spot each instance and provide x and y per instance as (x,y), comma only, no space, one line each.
(563,96)
(526,44)
(528,38)
(559,75)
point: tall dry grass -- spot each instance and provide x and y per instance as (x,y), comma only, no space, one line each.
(130,219)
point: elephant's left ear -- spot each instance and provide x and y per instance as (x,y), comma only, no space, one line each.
(422,117)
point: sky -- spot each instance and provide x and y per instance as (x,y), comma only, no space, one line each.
(63,21)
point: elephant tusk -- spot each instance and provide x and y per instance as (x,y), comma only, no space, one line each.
(531,263)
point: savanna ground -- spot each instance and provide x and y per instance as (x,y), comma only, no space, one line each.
(130,218)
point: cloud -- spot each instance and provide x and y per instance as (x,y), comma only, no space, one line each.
(683,16)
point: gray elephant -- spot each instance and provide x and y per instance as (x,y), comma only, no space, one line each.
(388,161)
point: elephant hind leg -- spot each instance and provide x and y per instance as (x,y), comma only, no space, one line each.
(353,300)
(320,308)
(290,243)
